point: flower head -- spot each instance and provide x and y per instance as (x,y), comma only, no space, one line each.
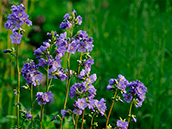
(28,116)
(43,98)
(122,124)
(16,38)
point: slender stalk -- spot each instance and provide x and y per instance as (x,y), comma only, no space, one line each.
(68,80)
(91,123)
(76,121)
(129,114)
(50,83)
(42,110)
(47,78)
(67,87)
(73,120)
(38,88)
(83,113)
(79,68)
(31,94)
(18,88)
(110,109)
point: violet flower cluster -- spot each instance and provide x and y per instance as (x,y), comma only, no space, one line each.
(134,90)
(85,91)
(122,124)
(15,21)
(31,74)
(43,98)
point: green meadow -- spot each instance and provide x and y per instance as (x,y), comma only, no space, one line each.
(131,37)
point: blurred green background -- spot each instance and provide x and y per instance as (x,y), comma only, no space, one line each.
(131,37)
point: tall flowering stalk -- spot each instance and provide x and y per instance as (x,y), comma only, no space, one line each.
(132,92)
(15,21)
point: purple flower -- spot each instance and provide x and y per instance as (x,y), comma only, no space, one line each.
(30,74)
(40,50)
(56,64)
(112,81)
(36,78)
(92,104)
(83,35)
(101,106)
(122,124)
(16,38)
(63,47)
(121,85)
(9,25)
(53,118)
(59,55)
(88,64)
(72,92)
(50,60)
(43,98)
(138,91)
(17,18)
(134,119)
(72,48)
(79,20)
(82,74)
(81,103)
(66,16)
(109,87)
(61,75)
(65,25)
(42,62)
(65,112)
(127,97)
(7,51)
(121,77)
(91,89)
(28,116)
(74,11)
(77,111)
(91,79)
(82,47)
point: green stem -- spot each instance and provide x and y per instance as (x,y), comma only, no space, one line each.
(76,122)
(50,83)
(73,119)
(68,80)
(47,78)
(42,110)
(79,68)
(129,114)
(18,88)
(111,109)
(83,113)
(38,88)
(91,122)
(31,94)
(67,88)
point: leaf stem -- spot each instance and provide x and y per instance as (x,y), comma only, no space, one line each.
(47,78)
(111,109)
(67,87)
(129,114)
(31,94)
(91,123)
(18,88)
(79,67)
(76,121)
(83,113)
(42,108)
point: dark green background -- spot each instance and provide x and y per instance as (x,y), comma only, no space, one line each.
(131,37)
